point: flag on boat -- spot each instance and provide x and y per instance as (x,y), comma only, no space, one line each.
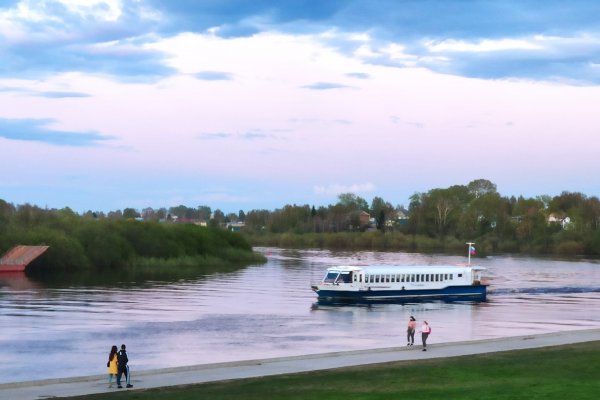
(472,250)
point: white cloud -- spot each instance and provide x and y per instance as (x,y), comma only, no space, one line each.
(480,46)
(403,129)
(106,10)
(335,189)
(365,51)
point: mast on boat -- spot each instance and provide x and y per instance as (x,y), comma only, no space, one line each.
(470,250)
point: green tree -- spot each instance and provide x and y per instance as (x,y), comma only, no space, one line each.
(383,211)
(130,213)
(256,220)
(480,187)
(218,218)
(204,213)
(353,202)
(183,212)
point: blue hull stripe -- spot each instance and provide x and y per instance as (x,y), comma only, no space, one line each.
(465,292)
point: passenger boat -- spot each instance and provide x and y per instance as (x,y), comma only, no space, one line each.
(402,283)
(393,282)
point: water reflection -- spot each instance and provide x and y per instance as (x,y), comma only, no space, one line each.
(121,278)
(17,281)
(370,303)
(58,326)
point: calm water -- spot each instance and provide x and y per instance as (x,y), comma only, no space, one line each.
(269,310)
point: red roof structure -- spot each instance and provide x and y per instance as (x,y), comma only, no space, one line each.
(19,257)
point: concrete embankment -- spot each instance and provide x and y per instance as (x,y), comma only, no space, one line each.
(34,390)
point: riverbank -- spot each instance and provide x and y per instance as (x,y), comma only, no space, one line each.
(86,385)
(397,241)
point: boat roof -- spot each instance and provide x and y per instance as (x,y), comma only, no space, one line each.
(388,269)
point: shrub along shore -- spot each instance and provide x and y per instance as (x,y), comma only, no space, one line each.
(148,248)
(394,241)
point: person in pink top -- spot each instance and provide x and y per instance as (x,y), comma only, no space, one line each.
(425,331)
(410,331)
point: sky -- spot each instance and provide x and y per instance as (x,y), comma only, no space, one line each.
(243,105)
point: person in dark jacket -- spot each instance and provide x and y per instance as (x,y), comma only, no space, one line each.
(122,368)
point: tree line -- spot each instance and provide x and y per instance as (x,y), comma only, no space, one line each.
(441,219)
(82,242)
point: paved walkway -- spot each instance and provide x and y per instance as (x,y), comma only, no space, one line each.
(35,390)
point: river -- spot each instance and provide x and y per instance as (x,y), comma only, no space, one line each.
(260,311)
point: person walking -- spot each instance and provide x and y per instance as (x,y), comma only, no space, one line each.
(425,331)
(410,331)
(122,367)
(112,365)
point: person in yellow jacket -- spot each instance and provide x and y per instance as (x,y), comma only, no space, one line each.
(112,365)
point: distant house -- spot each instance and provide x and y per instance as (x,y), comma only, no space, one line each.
(364,218)
(402,216)
(402,213)
(235,226)
(559,218)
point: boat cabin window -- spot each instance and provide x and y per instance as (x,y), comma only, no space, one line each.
(412,278)
(345,277)
(331,277)
(460,275)
(445,277)
(387,278)
(393,278)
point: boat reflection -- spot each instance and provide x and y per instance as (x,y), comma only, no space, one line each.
(324,302)
(17,281)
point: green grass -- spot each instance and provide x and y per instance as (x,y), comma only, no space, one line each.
(564,372)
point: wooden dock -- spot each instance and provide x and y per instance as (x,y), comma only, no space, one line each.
(19,257)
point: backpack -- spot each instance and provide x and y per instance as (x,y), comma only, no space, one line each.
(122,358)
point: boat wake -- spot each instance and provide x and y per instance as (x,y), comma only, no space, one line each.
(544,290)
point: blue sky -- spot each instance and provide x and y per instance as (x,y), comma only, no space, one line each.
(257,104)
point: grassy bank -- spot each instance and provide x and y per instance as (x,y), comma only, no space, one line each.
(398,241)
(373,241)
(78,244)
(564,372)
